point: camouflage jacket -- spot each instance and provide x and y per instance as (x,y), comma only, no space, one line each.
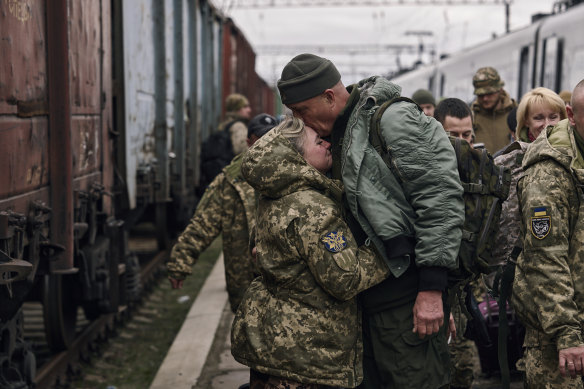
(510,221)
(548,289)
(300,319)
(491,127)
(227,206)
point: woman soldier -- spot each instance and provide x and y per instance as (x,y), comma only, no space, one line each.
(299,325)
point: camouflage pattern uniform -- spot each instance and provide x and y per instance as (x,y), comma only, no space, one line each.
(548,290)
(227,206)
(300,319)
(510,221)
(491,127)
(463,351)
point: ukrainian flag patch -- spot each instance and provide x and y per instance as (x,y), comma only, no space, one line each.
(334,241)
(541,223)
(540,211)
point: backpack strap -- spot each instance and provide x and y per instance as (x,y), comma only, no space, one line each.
(377,140)
(229,124)
(502,287)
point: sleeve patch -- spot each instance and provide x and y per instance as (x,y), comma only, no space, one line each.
(334,241)
(541,222)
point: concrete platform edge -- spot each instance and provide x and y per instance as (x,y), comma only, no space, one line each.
(186,357)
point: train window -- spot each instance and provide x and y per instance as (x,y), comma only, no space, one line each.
(523,84)
(431,82)
(551,59)
(559,65)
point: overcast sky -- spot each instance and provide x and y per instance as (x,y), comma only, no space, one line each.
(452,29)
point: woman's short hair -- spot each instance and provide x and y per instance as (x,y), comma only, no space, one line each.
(293,129)
(539,96)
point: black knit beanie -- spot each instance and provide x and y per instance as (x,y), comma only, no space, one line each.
(261,124)
(423,96)
(306,76)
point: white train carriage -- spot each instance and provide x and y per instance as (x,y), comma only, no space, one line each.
(549,53)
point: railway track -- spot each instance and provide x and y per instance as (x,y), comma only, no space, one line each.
(57,370)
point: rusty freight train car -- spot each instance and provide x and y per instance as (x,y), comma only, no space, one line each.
(103,107)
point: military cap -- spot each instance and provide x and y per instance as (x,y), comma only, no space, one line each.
(423,96)
(566,95)
(235,101)
(486,80)
(306,76)
(261,124)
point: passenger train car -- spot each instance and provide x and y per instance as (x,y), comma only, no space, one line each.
(103,108)
(548,53)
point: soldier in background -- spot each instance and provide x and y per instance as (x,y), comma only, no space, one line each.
(548,289)
(230,139)
(227,206)
(425,100)
(490,109)
(566,95)
(539,108)
(456,118)
(237,114)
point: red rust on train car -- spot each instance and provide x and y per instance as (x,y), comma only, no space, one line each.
(85,57)
(23,65)
(23,156)
(23,104)
(86,145)
(60,156)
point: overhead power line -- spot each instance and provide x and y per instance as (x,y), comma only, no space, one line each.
(337,49)
(358,3)
(241,4)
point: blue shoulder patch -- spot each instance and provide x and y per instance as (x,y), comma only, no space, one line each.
(334,241)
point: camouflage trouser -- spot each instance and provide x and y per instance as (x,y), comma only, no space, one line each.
(259,380)
(542,372)
(463,353)
(394,357)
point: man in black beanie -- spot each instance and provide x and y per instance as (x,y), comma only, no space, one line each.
(426,101)
(413,213)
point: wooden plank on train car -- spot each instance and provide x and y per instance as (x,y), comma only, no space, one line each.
(23,155)
(86,145)
(85,53)
(23,75)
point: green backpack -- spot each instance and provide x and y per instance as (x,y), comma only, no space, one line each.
(485,185)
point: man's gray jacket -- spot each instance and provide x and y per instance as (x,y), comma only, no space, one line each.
(419,199)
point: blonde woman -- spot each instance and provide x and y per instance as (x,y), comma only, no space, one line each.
(539,108)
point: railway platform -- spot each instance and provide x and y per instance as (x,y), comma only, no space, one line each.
(200,355)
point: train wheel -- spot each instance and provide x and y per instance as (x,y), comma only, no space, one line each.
(59,311)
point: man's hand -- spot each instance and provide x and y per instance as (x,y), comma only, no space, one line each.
(571,361)
(176,284)
(428,313)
